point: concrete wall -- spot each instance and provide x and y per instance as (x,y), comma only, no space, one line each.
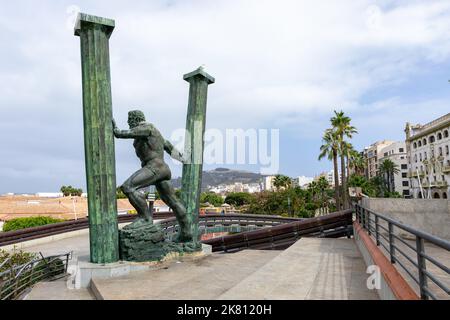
(429,215)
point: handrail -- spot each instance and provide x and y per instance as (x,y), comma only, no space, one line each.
(370,221)
(283,235)
(14,281)
(13,237)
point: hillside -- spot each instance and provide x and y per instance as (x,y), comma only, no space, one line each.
(224,176)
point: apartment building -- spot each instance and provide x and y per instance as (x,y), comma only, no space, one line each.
(372,155)
(396,152)
(427,148)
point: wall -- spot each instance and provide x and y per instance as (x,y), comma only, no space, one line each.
(429,215)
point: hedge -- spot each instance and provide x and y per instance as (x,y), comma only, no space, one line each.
(23,223)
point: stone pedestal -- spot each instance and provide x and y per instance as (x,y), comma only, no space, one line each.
(86,271)
(142,242)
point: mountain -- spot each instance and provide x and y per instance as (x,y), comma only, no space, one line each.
(224,176)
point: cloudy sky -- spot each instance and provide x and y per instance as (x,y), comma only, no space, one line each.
(278,65)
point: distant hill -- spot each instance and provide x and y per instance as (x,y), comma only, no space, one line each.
(224,176)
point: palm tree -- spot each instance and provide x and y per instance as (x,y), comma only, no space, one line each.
(281,181)
(341,124)
(356,162)
(388,169)
(322,186)
(329,149)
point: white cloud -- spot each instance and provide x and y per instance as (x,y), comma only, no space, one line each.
(277,63)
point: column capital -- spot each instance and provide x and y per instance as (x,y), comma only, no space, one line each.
(200,72)
(84,18)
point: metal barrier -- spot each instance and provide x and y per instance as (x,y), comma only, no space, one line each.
(14,281)
(13,237)
(377,224)
(283,235)
(227,222)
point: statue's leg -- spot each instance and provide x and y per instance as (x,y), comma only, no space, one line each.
(140,179)
(167,194)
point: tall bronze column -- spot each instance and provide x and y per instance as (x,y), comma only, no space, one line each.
(94,33)
(195,129)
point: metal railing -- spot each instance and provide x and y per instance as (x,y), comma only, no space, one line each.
(14,281)
(13,237)
(283,235)
(385,231)
(227,222)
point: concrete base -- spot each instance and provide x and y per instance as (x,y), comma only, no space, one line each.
(86,271)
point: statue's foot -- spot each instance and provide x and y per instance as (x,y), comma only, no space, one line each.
(184,237)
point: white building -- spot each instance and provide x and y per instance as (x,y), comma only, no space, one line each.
(396,152)
(49,195)
(329,176)
(372,155)
(301,181)
(428,154)
(268,183)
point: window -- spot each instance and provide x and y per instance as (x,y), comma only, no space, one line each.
(431,139)
(446,150)
(401,150)
(415,145)
(405,183)
(446,134)
(404,166)
(406,192)
(404,175)
(415,158)
(419,143)
(439,136)
(440,151)
(385,154)
(424,142)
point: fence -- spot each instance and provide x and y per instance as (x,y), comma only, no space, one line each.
(385,232)
(14,281)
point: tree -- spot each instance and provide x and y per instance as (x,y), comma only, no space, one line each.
(212,198)
(120,194)
(71,191)
(281,181)
(239,199)
(388,169)
(356,162)
(343,129)
(329,149)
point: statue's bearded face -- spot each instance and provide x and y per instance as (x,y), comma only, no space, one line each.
(135,118)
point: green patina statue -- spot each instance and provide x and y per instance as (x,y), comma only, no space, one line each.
(150,146)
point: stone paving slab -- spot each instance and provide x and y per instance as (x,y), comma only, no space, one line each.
(204,279)
(57,290)
(312,269)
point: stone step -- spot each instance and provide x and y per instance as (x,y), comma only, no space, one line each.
(331,269)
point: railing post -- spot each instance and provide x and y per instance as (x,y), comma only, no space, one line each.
(391,242)
(377,231)
(422,266)
(368,223)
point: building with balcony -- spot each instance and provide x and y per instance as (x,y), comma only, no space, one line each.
(396,152)
(428,153)
(372,154)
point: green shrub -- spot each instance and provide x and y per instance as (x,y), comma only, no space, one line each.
(17,258)
(23,223)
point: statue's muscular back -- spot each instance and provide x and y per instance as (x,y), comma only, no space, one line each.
(150,149)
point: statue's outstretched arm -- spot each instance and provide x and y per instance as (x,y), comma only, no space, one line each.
(173,152)
(134,133)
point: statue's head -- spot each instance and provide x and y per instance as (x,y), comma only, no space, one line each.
(135,117)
